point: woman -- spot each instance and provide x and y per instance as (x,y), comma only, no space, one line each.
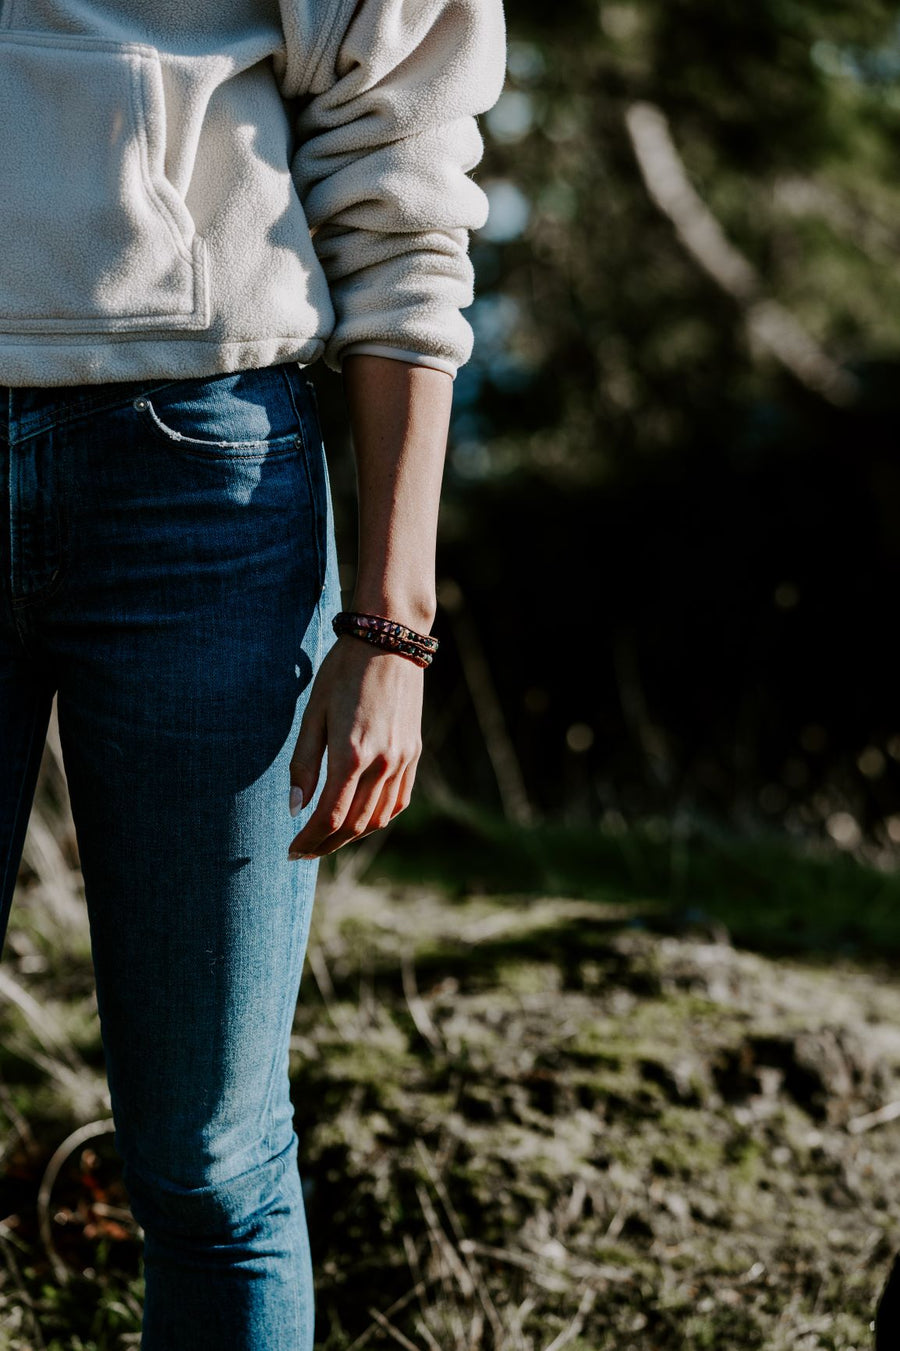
(199,201)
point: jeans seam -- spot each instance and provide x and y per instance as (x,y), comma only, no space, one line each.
(317,515)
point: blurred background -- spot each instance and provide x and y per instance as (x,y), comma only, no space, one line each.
(597,1044)
(670,542)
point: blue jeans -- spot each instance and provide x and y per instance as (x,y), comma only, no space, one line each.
(168,569)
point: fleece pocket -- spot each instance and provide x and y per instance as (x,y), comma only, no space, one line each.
(95,237)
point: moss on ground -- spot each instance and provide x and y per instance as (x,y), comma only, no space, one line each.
(521,1119)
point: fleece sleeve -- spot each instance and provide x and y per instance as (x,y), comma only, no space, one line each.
(386,137)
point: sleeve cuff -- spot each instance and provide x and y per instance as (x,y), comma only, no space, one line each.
(378,349)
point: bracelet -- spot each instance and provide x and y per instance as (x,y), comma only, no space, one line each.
(387,634)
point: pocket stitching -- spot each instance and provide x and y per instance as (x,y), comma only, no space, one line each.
(143,405)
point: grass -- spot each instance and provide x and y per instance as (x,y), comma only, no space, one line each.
(771,893)
(545,1097)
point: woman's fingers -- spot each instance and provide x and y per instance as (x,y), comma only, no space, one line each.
(406,786)
(395,798)
(359,812)
(371,787)
(337,794)
(378,797)
(345,808)
(383,806)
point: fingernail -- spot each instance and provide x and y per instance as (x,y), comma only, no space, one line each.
(296,800)
(293,856)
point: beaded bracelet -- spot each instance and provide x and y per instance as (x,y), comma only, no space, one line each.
(387,634)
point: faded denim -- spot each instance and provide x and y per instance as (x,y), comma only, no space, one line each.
(168,569)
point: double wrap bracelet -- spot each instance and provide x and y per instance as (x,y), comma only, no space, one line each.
(387,634)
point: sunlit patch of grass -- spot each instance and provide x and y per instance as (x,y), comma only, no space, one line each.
(768,891)
(528,1120)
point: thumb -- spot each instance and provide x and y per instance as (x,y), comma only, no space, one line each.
(306,761)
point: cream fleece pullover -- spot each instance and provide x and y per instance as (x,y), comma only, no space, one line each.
(195,188)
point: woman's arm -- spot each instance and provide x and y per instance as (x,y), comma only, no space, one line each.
(365,705)
(386,96)
(386,137)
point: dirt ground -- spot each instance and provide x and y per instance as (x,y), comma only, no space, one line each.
(525,1124)
(595,1135)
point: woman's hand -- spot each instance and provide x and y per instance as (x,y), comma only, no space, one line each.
(365,708)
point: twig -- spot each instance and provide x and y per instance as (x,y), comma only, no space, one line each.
(517,1321)
(68,1146)
(889,1112)
(617,1223)
(476,1331)
(397,1305)
(575,1270)
(575,1203)
(424,1331)
(417,1010)
(322,976)
(574,1329)
(450,1267)
(393,1332)
(415,1267)
(471,1267)
(438,1183)
(443,1245)
(554,1281)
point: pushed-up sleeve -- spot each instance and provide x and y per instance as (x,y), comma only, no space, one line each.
(386,137)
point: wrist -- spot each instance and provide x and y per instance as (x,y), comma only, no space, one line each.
(387,634)
(415,611)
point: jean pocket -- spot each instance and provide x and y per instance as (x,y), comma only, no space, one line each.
(244,415)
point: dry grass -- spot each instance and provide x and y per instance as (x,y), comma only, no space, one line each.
(526,1125)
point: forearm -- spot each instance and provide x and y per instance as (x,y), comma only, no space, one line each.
(399,415)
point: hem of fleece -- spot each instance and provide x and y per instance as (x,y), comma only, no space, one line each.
(46,363)
(379,349)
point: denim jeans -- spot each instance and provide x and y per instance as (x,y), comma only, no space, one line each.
(168,569)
